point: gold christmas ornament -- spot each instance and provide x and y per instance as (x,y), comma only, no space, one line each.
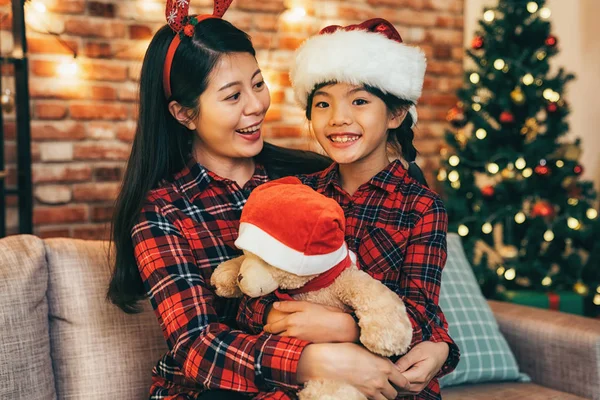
(530,130)
(581,288)
(517,96)
(8,101)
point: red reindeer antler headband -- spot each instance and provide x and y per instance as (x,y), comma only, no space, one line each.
(177,13)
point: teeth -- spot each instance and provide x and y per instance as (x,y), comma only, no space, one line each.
(344,139)
(249,130)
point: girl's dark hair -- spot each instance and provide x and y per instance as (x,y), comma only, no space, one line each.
(161,145)
(401,138)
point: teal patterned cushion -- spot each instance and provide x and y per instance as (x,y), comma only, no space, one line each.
(484,353)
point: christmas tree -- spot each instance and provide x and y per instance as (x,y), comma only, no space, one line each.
(510,178)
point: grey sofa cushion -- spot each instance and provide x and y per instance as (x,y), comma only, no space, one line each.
(25,365)
(98,351)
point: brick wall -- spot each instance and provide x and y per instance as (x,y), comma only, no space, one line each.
(82,126)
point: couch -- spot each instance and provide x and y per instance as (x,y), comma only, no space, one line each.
(60,338)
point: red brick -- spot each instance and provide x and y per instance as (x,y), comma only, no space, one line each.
(274,114)
(261,40)
(140,32)
(261,5)
(442,52)
(290,42)
(35,152)
(98,9)
(266,22)
(102,213)
(97,50)
(6,21)
(101,29)
(277,96)
(99,130)
(49,110)
(128,93)
(102,151)
(447,68)
(50,45)
(44,173)
(44,68)
(240,20)
(56,89)
(92,232)
(59,214)
(47,233)
(444,36)
(355,12)
(102,111)
(10,130)
(57,131)
(126,132)
(108,174)
(10,152)
(66,6)
(283,131)
(103,93)
(438,99)
(104,71)
(90,192)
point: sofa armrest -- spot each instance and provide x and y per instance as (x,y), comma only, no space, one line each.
(557,350)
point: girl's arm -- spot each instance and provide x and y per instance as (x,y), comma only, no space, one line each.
(418,279)
(209,352)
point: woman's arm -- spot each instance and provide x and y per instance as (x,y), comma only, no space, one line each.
(208,351)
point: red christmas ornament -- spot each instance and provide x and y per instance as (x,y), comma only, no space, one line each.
(552,108)
(456,117)
(543,209)
(477,43)
(507,117)
(551,41)
(488,191)
(578,170)
(542,170)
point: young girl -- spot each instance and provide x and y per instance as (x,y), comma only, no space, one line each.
(359,86)
(197,153)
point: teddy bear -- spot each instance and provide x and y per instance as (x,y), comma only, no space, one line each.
(293,243)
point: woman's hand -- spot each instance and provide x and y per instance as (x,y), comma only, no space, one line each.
(311,322)
(374,376)
(421,364)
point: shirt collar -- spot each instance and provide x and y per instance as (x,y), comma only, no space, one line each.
(387,179)
(195,178)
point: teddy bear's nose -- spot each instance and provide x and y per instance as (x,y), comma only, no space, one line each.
(240,277)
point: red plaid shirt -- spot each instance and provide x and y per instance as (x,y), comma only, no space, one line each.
(397,228)
(186,228)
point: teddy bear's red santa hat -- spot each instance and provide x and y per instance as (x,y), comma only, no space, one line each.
(294,228)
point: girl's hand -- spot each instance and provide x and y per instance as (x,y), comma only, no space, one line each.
(374,376)
(311,322)
(421,364)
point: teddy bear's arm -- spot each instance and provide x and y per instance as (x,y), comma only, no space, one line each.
(225,278)
(384,323)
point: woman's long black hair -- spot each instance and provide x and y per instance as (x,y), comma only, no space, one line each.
(161,145)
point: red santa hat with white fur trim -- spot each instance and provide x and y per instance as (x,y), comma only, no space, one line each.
(371,53)
(294,228)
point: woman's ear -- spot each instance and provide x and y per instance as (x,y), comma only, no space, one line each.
(182,115)
(396,118)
